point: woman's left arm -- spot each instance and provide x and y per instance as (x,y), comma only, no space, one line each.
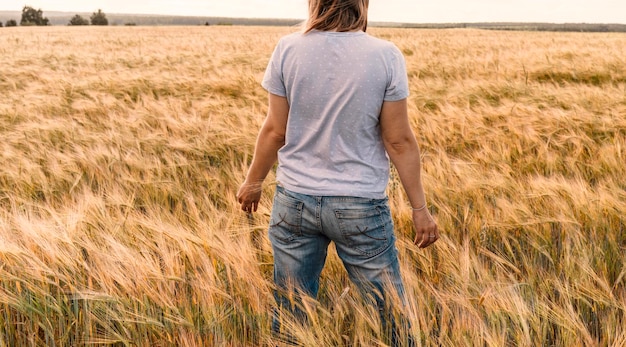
(270,139)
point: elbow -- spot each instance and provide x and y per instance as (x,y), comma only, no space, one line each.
(400,146)
(276,138)
(279,141)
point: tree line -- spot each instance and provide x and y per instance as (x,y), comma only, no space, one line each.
(35,17)
(31,16)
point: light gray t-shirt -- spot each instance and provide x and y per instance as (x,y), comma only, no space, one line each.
(335,83)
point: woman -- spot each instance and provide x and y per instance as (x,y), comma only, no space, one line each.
(337,114)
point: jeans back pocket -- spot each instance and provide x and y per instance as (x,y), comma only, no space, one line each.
(286,218)
(368,231)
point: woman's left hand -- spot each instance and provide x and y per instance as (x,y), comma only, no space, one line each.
(249,195)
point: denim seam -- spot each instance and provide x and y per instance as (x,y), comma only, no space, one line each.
(318,214)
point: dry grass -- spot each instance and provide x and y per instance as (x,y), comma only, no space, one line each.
(122,149)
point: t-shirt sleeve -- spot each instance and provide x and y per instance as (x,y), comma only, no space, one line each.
(273,80)
(397,79)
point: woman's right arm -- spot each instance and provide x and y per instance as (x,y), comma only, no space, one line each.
(404,153)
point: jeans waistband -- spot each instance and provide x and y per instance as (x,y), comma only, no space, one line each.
(333,198)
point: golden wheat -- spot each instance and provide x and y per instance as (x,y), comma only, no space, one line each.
(122,149)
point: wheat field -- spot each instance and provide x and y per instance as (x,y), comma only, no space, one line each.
(122,149)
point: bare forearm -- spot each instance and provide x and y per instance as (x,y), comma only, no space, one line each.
(265,156)
(406,159)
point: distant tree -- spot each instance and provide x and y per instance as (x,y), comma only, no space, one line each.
(0,24)
(11,23)
(78,20)
(30,16)
(99,18)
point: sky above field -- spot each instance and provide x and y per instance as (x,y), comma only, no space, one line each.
(411,11)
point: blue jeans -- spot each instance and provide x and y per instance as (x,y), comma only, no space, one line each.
(301,228)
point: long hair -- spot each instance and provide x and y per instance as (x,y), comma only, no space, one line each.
(337,15)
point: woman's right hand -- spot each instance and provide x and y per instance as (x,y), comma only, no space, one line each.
(426,231)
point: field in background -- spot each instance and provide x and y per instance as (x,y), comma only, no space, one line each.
(122,149)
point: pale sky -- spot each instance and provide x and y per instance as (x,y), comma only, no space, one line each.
(410,11)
